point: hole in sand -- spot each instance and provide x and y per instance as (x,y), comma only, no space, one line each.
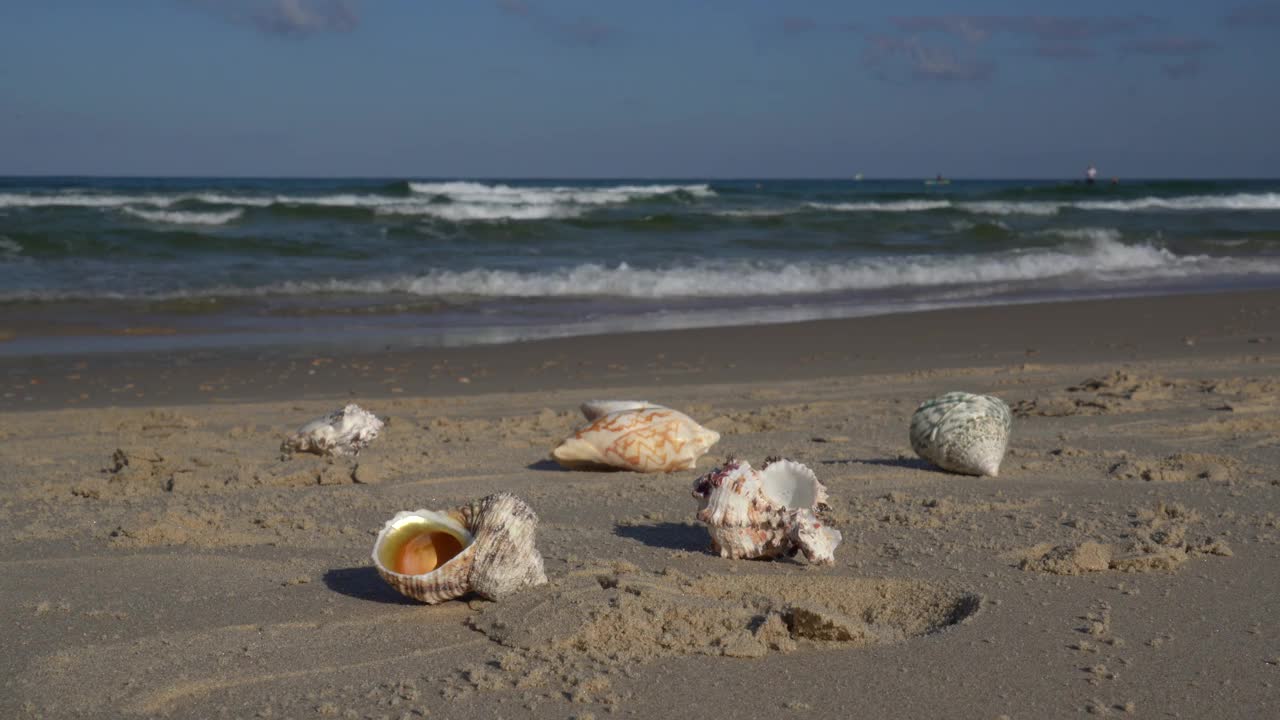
(637,616)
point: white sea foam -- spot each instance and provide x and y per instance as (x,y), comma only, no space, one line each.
(344,200)
(483,201)
(1100,259)
(1088,234)
(751,213)
(9,246)
(1243,201)
(890,206)
(464,213)
(472,201)
(83,200)
(1238,202)
(1011,208)
(1094,264)
(180,217)
(499,194)
(224,199)
(965,225)
(466,201)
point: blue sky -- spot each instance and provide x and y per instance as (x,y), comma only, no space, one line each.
(715,88)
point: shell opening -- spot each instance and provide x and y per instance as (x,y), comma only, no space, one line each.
(419,546)
(426,552)
(788,487)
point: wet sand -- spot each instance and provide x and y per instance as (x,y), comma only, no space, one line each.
(162,558)
(1089,331)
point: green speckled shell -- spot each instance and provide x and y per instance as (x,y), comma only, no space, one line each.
(962,432)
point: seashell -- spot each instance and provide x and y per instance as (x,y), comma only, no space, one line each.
(649,439)
(595,409)
(814,538)
(962,432)
(767,512)
(341,432)
(486,547)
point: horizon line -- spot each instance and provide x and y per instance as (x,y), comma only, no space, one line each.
(600,178)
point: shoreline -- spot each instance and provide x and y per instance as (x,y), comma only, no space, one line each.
(1150,327)
(413,323)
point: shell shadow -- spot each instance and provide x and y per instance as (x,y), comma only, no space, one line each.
(909,463)
(547,466)
(553,466)
(672,536)
(363,583)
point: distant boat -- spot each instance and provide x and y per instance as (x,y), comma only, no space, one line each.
(858,177)
(938,181)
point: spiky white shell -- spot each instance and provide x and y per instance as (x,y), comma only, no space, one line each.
(816,539)
(765,513)
(498,557)
(594,409)
(342,432)
(962,432)
(649,439)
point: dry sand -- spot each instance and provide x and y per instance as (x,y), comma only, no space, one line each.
(160,557)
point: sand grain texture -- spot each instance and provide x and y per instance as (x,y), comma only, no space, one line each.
(167,561)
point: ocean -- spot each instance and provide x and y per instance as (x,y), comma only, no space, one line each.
(91,264)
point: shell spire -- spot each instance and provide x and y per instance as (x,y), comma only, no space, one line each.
(594,409)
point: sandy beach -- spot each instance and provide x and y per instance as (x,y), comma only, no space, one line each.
(161,557)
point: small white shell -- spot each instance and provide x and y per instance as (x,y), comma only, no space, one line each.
(341,432)
(962,432)
(487,547)
(595,409)
(649,439)
(765,513)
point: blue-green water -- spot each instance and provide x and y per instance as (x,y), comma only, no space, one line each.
(446,262)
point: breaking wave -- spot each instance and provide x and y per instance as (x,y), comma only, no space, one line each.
(1242,201)
(1013,208)
(465,213)
(891,206)
(500,194)
(178,217)
(1238,202)
(1094,262)
(1089,234)
(473,201)
(85,200)
(759,278)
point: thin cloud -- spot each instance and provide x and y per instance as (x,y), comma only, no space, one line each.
(580,31)
(298,18)
(1046,28)
(1255,15)
(1184,54)
(1188,67)
(514,7)
(1064,51)
(1171,46)
(924,62)
(1055,37)
(587,31)
(794,24)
